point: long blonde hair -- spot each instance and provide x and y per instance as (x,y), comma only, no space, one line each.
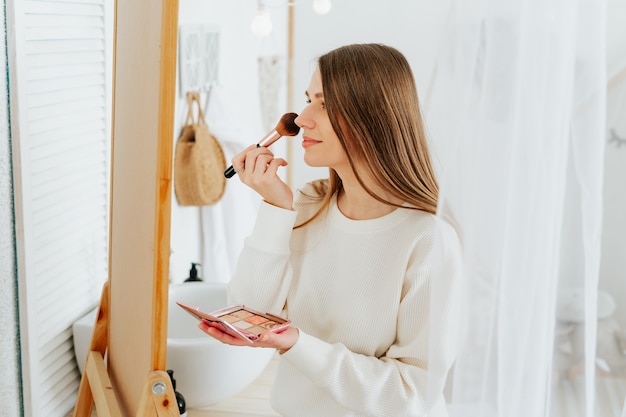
(372,102)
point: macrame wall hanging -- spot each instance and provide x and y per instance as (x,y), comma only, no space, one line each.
(198,57)
(269,89)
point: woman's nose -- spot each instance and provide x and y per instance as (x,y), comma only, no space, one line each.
(303,120)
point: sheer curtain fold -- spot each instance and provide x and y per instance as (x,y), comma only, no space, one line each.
(516,118)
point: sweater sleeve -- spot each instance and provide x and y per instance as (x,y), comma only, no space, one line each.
(408,379)
(263,273)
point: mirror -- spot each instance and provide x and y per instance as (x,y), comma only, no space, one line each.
(416,26)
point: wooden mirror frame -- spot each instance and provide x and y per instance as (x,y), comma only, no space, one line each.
(131,328)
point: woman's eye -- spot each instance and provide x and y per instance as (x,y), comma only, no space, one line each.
(322,104)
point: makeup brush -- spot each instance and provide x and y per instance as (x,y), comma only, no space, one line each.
(285,127)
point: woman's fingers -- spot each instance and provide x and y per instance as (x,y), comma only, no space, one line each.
(239,161)
(215,331)
(252,159)
(272,166)
(257,162)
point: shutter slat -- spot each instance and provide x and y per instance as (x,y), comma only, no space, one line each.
(73,271)
(51,98)
(50,238)
(70,170)
(93,104)
(70,269)
(78,122)
(60,212)
(52,34)
(65,83)
(55,349)
(59,8)
(48,245)
(56,341)
(37,21)
(67,72)
(72,195)
(67,1)
(47,21)
(74,296)
(59,271)
(77,137)
(78,45)
(68,58)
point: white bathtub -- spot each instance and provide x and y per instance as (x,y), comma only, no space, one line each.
(206,371)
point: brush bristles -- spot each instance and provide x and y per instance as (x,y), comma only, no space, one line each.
(286,125)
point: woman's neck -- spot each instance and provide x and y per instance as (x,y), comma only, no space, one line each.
(357,204)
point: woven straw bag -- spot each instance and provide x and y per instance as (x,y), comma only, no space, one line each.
(199,161)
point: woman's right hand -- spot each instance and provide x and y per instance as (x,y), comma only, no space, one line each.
(282,341)
(257,168)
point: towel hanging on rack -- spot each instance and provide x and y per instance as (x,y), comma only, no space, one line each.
(199,161)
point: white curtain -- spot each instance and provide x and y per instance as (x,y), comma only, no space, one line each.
(516,114)
(225,224)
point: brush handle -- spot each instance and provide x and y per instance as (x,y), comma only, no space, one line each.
(230,171)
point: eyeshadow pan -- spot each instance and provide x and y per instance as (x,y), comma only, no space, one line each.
(242,314)
(256,319)
(268,325)
(242,324)
(230,319)
(256,330)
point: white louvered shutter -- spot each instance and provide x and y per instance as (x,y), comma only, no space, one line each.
(60,71)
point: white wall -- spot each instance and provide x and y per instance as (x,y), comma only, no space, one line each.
(238,79)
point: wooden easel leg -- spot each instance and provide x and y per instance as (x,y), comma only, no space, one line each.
(158,394)
(101,388)
(158,398)
(99,343)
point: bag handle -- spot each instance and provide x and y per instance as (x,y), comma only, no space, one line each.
(194,97)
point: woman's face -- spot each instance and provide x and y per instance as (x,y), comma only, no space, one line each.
(319,140)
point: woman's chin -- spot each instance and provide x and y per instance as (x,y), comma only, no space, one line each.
(313,162)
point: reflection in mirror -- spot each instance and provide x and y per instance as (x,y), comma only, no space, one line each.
(535,223)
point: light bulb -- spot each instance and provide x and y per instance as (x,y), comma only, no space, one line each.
(322,6)
(261,24)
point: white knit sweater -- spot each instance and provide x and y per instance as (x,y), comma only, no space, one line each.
(360,293)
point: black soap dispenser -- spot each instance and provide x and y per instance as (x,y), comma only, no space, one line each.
(193,273)
(180,400)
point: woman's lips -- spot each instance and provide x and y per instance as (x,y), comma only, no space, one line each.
(308,142)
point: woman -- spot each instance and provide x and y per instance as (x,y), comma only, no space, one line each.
(349,260)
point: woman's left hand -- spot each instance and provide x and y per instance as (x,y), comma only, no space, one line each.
(282,341)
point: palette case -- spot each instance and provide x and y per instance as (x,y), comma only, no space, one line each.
(240,321)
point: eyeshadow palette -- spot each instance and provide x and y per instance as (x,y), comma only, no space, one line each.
(240,321)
